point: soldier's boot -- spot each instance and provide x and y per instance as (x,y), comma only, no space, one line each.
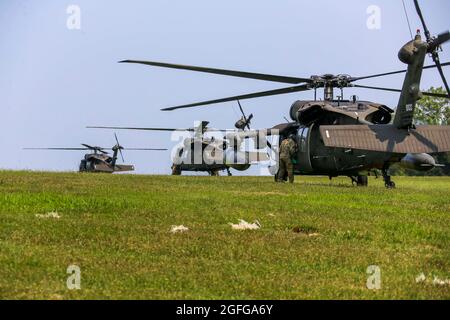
(291,178)
(280,177)
(290,171)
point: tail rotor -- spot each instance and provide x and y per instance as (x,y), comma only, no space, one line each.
(118,147)
(245,121)
(434,45)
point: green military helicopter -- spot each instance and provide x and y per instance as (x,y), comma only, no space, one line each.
(98,160)
(352,138)
(205,149)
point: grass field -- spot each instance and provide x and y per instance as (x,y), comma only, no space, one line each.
(116,229)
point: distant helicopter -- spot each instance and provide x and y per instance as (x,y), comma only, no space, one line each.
(100,160)
(338,137)
(228,143)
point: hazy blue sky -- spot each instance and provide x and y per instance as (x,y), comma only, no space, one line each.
(55,81)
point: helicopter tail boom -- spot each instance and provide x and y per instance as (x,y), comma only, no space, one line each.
(413,53)
(388,138)
(123,168)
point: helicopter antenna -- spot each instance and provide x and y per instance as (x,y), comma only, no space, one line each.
(407,19)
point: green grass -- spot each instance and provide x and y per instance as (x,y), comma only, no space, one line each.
(116,228)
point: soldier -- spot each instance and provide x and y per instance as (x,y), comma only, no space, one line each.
(288,150)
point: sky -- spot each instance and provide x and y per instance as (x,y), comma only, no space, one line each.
(55,80)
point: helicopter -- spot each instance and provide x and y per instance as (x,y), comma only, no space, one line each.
(219,151)
(353,138)
(99,160)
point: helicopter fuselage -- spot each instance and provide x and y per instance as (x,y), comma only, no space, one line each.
(315,158)
(185,157)
(95,162)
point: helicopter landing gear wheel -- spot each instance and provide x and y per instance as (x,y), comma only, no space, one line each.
(388,183)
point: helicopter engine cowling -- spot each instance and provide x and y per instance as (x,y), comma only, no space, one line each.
(305,112)
(382,116)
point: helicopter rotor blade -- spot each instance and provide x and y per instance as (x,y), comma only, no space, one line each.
(419,13)
(137,128)
(441,72)
(242,110)
(96,148)
(434,44)
(247,120)
(303,87)
(89,147)
(429,94)
(101,150)
(69,149)
(157,129)
(119,147)
(394,72)
(145,149)
(232,73)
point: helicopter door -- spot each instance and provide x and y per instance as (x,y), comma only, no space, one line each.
(303,156)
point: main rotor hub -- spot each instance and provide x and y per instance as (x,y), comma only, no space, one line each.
(330,81)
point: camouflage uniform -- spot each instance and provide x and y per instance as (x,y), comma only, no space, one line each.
(288,149)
